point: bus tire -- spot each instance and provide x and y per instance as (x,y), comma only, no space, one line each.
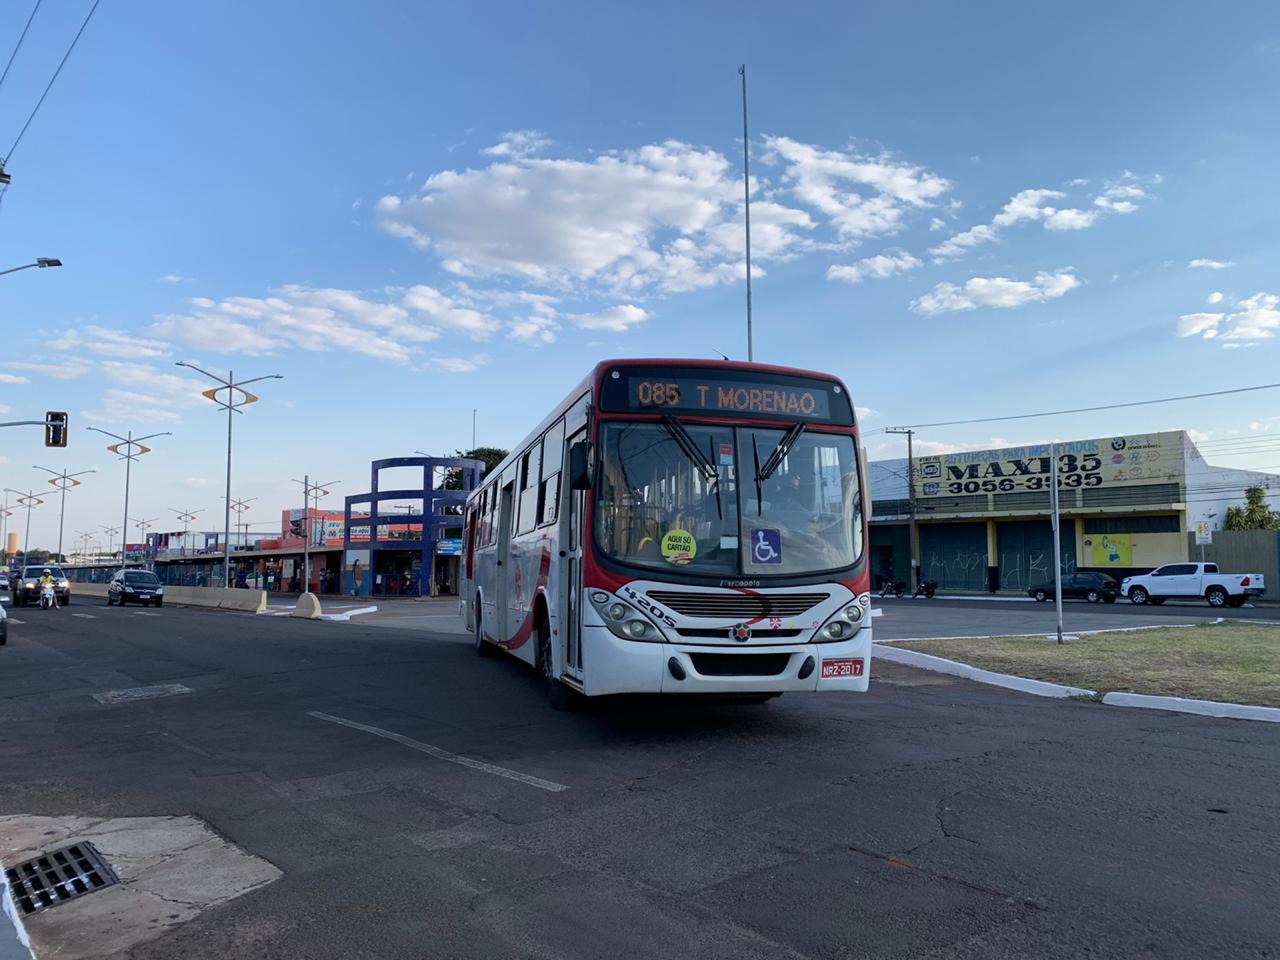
(559,697)
(483,648)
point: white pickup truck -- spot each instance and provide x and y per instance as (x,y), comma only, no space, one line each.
(1182,581)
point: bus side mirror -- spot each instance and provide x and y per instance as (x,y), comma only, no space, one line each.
(581,476)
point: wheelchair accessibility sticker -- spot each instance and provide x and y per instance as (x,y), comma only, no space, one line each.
(766,545)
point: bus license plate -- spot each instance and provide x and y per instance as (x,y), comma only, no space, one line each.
(842,668)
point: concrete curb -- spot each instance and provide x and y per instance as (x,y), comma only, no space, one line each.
(1204,708)
(924,661)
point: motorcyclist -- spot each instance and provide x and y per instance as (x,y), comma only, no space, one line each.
(47,580)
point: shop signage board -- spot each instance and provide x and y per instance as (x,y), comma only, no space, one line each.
(1147,458)
(1204,533)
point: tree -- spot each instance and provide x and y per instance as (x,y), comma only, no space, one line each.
(1254,515)
(492,456)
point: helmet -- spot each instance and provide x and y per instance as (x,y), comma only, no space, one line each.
(47,570)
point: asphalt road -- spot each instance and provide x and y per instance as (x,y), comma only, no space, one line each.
(928,818)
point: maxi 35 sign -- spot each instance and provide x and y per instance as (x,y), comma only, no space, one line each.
(1141,458)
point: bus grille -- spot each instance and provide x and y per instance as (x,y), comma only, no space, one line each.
(737,606)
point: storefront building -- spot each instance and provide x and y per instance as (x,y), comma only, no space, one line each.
(983,516)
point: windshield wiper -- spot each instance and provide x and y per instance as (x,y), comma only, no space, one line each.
(710,475)
(779,452)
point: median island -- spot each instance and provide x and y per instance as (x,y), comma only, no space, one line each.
(1232,662)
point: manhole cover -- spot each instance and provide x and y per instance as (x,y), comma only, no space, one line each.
(58,876)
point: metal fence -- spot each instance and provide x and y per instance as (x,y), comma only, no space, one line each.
(1244,551)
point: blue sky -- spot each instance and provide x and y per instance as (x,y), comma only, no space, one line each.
(412,210)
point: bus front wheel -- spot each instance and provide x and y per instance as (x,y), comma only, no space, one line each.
(482,646)
(559,696)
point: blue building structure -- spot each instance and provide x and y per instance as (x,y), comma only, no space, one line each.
(415,551)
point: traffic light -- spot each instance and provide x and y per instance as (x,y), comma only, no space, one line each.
(55,428)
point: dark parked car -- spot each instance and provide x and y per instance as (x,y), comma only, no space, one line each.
(1080,586)
(135,586)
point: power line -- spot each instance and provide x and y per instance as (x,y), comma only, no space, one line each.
(1105,406)
(13,55)
(8,156)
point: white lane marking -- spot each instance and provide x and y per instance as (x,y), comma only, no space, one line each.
(130,694)
(349,614)
(146,613)
(443,754)
(16,620)
(86,616)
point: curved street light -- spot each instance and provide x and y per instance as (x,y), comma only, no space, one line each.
(126,452)
(41,263)
(63,481)
(236,397)
(30,501)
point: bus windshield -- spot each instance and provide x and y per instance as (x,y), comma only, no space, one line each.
(661,507)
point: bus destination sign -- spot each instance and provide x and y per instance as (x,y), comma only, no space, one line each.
(768,396)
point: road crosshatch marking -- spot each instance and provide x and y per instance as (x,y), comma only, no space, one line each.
(439,754)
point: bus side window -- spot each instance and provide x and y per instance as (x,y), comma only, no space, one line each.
(530,477)
(552,460)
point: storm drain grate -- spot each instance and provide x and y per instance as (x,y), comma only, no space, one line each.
(58,876)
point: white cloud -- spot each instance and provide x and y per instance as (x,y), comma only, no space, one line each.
(866,413)
(70,370)
(998,292)
(442,311)
(323,319)
(518,143)
(13,378)
(129,406)
(106,342)
(143,393)
(197,483)
(174,278)
(459,364)
(1203,264)
(1215,297)
(879,266)
(1246,322)
(860,195)
(661,218)
(937,224)
(540,326)
(618,319)
(1199,324)
(1042,205)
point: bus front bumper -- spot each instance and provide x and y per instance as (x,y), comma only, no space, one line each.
(613,665)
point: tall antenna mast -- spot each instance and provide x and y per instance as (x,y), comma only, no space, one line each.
(746,197)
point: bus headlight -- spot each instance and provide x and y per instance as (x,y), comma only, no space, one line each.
(622,619)
(843,625)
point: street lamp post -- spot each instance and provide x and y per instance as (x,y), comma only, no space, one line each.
(309,490)
(186,516)
(63,481)
(143,526)
(84,536)
(126,452)
(30,501)
(237,397)
(41,262)
(110,532)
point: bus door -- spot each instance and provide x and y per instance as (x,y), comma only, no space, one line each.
(504,588)
(570,599)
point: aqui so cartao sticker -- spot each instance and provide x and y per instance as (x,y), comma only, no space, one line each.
(679,546)
(766,545)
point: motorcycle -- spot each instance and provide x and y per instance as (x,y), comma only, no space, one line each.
(48,598)
(926,588)
(890,586)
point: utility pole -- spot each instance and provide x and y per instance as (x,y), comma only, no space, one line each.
(746,202)
(1057,538)
(309,491)
(913,534)
(30,501)
(473,429)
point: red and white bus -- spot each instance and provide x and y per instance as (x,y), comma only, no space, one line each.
(679,526)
